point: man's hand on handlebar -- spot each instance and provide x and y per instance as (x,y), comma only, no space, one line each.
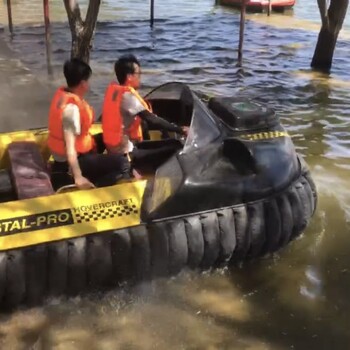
(185,130)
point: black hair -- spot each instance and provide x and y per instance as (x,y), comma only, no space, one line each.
(124,66)
(75,71)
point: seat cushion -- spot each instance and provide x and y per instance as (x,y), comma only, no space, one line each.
(28,170)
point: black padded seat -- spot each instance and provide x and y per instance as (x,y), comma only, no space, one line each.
(29,172)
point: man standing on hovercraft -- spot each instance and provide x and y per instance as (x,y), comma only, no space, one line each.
(70,141)
(124,110)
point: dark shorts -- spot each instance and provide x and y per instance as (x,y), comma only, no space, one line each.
(100,169)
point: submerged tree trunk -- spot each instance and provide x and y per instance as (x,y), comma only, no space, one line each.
(332,22)
(82,31)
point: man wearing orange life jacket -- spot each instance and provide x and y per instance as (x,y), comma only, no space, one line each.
(70,141)
(124,110)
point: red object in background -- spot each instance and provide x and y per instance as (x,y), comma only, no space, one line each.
(260,5)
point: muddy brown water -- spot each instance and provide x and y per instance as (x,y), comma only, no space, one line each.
(296,299)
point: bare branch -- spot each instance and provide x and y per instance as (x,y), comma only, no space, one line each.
(322,6)
(82,31)
(336,14)
(73,5)
(91,16)
(73,12)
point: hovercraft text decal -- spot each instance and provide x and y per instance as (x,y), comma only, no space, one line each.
(105,210)
(36,222)
(69,216)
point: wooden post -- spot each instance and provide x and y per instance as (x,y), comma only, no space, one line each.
(241,32)
(47,20)
(152,14)
(9,14)
(47,34)
(269,9)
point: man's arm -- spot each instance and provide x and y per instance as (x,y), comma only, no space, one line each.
(71,128)
(159,123)
(131,107)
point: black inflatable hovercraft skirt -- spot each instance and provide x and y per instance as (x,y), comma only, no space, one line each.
(161,248)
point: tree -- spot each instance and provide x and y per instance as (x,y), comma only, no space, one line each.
(82,31)
(332,22)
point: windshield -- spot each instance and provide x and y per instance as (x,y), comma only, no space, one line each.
(203,129)
(178,104)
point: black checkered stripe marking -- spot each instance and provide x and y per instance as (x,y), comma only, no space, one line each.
(265,135)
(105,213)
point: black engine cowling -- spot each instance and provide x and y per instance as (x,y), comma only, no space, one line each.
(240,114)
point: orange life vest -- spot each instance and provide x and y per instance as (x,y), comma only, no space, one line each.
(112,119)
(83,142)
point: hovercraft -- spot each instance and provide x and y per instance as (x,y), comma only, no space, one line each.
(235,190)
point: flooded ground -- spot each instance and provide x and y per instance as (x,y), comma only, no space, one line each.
(296,299)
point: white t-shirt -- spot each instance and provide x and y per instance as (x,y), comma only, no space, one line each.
(71,123)
(130,107)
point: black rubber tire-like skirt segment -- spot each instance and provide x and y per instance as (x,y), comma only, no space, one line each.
(312,186)
(57,267)
(242,239)
(306,177)
(36,274)
(121,255)
(286,214)
(211,236)
(3,263)
(305,205)
(140,253)
(195,241)
(15,279)
(227,240)
(178,248)
(297,211)
(157,249)
(272,226)
(159,244)
(77,271)
(256,228)
(308,197)
(99,261)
